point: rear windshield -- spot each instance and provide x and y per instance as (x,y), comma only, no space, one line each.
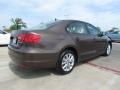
(43,26)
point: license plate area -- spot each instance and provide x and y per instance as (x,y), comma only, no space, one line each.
(14,42)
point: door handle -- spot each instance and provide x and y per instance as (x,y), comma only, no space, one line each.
(94,38)
(77,39)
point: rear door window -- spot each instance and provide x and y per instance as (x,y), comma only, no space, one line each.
(76,27)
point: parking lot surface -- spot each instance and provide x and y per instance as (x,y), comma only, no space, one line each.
(102,73)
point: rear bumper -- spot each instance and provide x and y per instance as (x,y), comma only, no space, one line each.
(30,59)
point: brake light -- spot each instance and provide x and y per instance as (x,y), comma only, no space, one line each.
(29,38)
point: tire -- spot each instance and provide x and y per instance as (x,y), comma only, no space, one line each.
(64,64)
(108,50)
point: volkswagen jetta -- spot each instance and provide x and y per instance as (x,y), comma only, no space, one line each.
(59,45)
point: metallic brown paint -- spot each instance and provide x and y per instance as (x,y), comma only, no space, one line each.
(55,40)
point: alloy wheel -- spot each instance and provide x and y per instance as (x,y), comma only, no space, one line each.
(68,62)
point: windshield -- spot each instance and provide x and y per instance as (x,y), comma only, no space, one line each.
(43,26)
(2,32)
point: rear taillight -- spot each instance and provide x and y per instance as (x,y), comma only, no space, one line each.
(29,38)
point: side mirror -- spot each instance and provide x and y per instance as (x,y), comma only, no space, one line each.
(101,34)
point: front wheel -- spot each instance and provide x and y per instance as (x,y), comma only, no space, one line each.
(108,50)
(66,62)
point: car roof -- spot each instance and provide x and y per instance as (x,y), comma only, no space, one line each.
(63,24)
(71,21)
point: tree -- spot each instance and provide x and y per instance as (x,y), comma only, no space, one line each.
(98,28)
(17,24)
(7,29)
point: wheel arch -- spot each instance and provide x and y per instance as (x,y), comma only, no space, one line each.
(110,42)
(72,48)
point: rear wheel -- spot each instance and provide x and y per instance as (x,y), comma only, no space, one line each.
(108,50)
(66,62)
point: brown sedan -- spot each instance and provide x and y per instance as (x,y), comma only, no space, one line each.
(59,45)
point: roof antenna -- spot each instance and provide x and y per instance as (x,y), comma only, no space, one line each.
(55,19)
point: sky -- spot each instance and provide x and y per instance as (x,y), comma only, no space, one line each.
(102,13)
